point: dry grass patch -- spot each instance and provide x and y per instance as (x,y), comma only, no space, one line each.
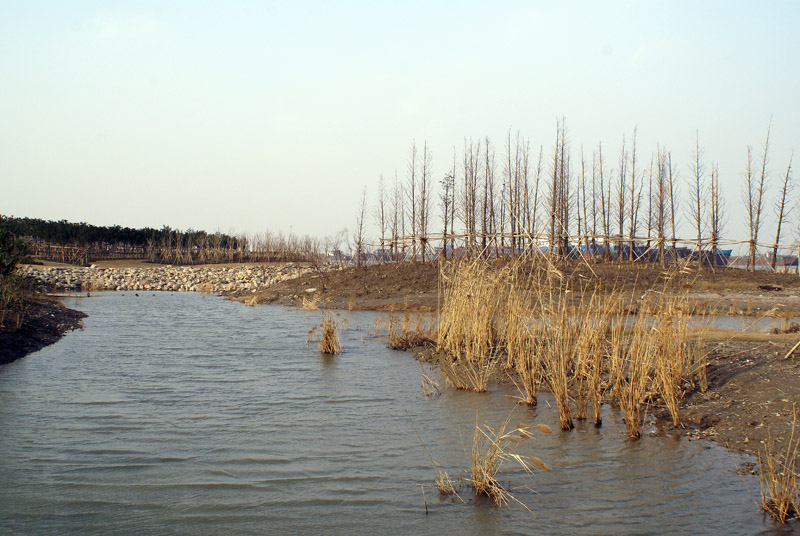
(584,345)
(329,340)
(780,489)
(494,447)
(467,375)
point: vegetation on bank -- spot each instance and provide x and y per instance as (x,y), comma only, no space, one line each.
(13,287)
(83,243)
(636,347)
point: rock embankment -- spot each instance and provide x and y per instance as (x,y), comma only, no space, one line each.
(210,279)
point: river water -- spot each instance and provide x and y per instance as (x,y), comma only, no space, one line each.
(184,414)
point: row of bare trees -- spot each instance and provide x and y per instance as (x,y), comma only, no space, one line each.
(517,199)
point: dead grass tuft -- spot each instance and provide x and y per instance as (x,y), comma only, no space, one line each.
(491,449)
(329,341)
(780,489)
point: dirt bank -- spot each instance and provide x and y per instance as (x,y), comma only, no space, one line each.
(752,391)
(46,321)
(415,286)
(399,286)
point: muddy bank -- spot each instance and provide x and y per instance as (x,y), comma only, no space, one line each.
(46,321)
(241,279)
(753,389)
(415,287)
(395,286)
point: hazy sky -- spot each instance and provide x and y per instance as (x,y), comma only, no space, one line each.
(249,116)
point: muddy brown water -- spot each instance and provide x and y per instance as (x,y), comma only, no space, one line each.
(178,413)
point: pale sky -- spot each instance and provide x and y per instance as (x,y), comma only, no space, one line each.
(249,116)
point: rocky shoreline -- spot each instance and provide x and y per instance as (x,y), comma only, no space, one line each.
(207,279)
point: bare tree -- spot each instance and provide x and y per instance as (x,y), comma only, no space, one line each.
(650,221)
(717,212)
(605,202)
(660,201)
(582,192)
(381,215)
(469,194)
(397,216)
(672,177)
(533,217)
(411,196)
(636,196)
(424,199)
(621,191)
(564,192)
(447,184)
(553,191)
(358,235)
(780,209)
(559,194)
(487,200)
(696,195)
(754,199)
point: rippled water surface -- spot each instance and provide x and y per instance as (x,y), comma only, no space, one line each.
(175,413)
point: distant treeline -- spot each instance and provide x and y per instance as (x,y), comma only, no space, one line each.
(83,243)
(65,233)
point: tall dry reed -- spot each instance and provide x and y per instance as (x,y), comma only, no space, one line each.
(329,340)
(780,488)
(491,449)
(584,345)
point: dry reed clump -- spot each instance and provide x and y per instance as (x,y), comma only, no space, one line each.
(329,340)
(467,375)
(634,382)
(491,449)
(414,331)
(780,489)
(429,387)
(311,303)
(586,346)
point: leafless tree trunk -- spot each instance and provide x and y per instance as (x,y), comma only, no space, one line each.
(412,196)
(554,193)
(381,215)
(660,209)
(469,196)
(621,191)
(605,203)
(424,199)
(533,217)
(564,192)
(672,176)
(754,197)
(397,216)
(636,196)
(717,212)
(780,209)
(696,195)
(524,194)
(583,205)
(488,201)
(358,236)
(650,223)
(446,202)
(509,179)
